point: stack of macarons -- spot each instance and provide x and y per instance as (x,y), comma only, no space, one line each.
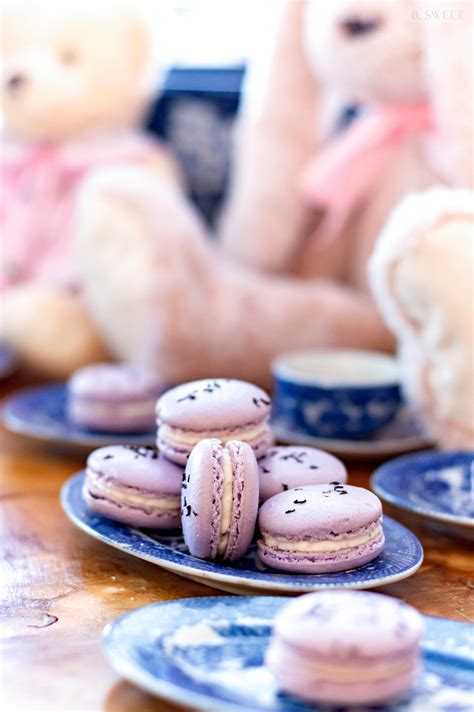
(310,520)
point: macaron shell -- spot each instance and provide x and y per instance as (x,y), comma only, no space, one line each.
(244,499)
(321,563)
(113,382)
(291,466)
(179,456)
(213,403)
(140,467)
(152,518)
(200,499)
(319,511)
(351,625)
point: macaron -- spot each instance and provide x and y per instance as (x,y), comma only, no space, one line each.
(134,485)
(214,408)
(219,499)
(111,397)
(321,528)
(345,647)
(286,467)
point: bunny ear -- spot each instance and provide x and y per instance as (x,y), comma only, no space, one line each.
(276,137)
(447,39)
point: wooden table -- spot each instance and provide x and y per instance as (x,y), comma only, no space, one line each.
(61,587)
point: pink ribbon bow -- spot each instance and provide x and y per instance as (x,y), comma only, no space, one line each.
(341,176)
(39,186)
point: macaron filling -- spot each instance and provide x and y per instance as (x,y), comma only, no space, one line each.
(324,545)
(192,437)
(131,410)
(362,670)
(226,501)
(98,488)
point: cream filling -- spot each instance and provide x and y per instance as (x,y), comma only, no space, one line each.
(345,674)
(323,545)
(175,435)
(226,501)
(115,493)
(132,410)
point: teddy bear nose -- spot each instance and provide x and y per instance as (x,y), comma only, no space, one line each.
(15,82)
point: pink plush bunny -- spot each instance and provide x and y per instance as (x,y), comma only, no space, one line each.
(307,201)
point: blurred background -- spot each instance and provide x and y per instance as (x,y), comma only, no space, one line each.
(209,48)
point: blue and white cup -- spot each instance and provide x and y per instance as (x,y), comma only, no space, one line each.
(335,393)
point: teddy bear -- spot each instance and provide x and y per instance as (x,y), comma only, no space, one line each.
(421,273)
(307,200)
(77,77)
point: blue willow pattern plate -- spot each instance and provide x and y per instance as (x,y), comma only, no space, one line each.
(208,653)
(40,413)
(436,485)
(404,434)
(401,557)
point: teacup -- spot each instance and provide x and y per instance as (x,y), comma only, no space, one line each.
(336,393)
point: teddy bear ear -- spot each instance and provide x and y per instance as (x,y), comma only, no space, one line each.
(146,22)
(447,33)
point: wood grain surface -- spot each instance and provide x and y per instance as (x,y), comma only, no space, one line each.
(60,587)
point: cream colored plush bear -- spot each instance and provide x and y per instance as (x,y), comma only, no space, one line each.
(307,200)
(76,78)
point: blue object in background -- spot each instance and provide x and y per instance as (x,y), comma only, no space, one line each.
(195,115)
(344,412)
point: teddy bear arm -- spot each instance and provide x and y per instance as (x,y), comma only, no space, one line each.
(124,215)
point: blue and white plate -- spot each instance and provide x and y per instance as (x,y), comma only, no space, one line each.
(436,485)
(8,361)
(404,434)
(207,653)
(401,557)
(40,413)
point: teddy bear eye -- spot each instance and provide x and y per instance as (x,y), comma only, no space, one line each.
(359,26)
(68,56)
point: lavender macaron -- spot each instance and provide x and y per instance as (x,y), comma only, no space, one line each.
(215,408)
(345,647)
(219,500)
(321,528)
(134,485)
(290,466)
(111,397)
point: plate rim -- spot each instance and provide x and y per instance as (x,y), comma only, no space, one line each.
(361,448)
(387,496)
(170,691)
(16,425)
(150,683)
(236,581)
